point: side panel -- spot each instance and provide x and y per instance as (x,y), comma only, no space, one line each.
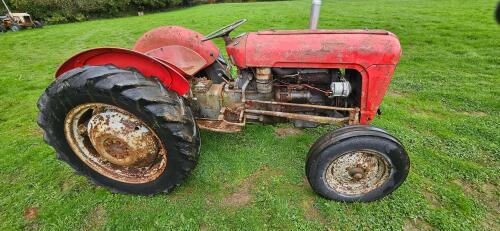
(169,75)
(315,49)
(376,81)
(172,38)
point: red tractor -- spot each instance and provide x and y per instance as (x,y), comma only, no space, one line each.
(130,119)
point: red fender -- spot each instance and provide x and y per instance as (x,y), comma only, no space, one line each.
(171,77)
(178,46)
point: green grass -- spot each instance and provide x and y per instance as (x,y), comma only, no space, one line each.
(443,104)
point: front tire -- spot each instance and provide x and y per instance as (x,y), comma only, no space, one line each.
(120,129)
(15,27)
(37,24)
(357,163)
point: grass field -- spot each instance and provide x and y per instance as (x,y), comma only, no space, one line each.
(443,105)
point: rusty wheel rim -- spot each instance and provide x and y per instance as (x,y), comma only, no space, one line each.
(115,143)
(357,172)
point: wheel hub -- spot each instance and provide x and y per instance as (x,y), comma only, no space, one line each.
(122,139)
(358,172)
(115,143)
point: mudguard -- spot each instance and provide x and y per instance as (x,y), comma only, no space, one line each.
(178,46)
(171,77)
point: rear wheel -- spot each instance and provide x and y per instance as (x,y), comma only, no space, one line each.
(357,163)
(120,129)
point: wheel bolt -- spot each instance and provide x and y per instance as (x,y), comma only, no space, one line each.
(357,176)
(356,173)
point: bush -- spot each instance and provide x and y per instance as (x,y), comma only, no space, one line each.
(59,11)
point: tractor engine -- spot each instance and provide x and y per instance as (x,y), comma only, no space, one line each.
(306,97)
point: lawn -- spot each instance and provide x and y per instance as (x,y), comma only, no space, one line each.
(443,104)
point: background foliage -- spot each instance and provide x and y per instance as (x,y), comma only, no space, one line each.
(443,104)
(60,11)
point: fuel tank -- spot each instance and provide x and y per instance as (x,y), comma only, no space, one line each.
(315,48)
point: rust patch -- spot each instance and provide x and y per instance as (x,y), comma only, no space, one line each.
(219,126)
(284,132)
(417,225)
(115,143)
(30,213)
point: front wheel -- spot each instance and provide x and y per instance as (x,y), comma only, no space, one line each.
(358,163)
(37,24)
(15,27)
(120,129)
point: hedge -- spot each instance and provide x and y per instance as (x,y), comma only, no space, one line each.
(61,11)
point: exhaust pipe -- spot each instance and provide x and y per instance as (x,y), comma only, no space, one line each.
(315,9)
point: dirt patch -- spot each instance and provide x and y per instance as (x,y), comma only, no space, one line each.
(487,193)
(37,132)
(239,198)
(416,225)
(491,191)
(30,213)
(432,198)
(474,113)
(284,132)
(96,219)
(305,182)
(203,227)
(242,196)
(395,93)
(180,194)
(490,222)
(310,212)
(67,185)
(426,113)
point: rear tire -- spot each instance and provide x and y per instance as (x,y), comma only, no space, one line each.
(357,163)
(160,109)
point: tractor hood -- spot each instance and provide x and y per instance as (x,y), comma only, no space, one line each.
(315,49)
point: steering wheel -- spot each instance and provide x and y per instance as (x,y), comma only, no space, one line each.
(224,31)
